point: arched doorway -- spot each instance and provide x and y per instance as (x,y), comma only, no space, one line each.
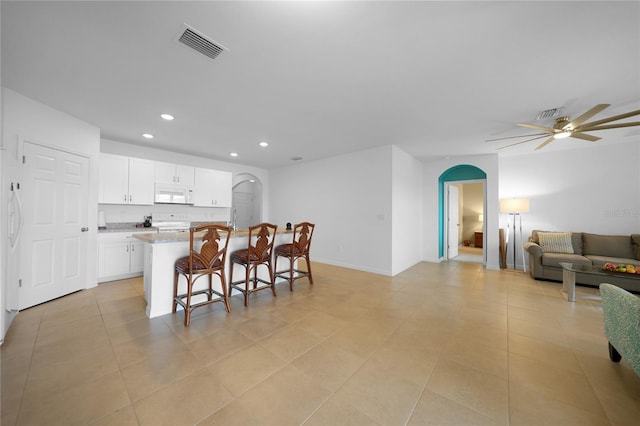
(461,174)
(247,201)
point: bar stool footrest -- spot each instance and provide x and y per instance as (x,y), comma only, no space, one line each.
(252,280)
(179,299)
(285,274)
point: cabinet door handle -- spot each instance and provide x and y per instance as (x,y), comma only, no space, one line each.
(133,248)
(125,198)
(130,197)
(127,248)
(84,229)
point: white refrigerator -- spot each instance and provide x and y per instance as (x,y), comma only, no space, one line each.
(12,229)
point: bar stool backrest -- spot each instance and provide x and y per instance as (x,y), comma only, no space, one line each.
(265,234)
(304,232)
(211,255)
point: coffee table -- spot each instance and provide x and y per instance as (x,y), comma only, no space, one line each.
(569,276)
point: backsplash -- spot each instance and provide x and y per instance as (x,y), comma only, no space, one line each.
(115,213)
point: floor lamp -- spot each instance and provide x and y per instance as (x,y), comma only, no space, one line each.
(514,207)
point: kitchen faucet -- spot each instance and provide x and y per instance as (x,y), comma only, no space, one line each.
(234,223)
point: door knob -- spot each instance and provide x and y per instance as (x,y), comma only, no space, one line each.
(84,229)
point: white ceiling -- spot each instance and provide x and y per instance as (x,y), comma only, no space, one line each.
(317,79)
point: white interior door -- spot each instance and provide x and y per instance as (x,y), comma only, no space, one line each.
(54,240)
(453,224)
(243,205)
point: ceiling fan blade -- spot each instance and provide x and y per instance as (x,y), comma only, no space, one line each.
(585,136)
(514,137)
(518,143)
(533,126)
(545,143)
(584,117)
(610,126)
(608,119)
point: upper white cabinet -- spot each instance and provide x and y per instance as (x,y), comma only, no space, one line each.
(125,180)
(212,188)
(222,185)
(174,174)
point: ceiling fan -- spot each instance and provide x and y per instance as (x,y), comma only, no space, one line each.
(565,128)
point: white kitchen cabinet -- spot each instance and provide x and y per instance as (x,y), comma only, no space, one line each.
(169,173)
(212,188)
(125,180)
(136,260)
(120,256)
(222,185)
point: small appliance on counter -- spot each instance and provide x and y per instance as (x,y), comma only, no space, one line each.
(147,222)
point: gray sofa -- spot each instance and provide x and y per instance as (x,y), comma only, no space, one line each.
(588,249)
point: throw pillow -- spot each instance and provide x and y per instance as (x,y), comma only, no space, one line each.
(555,242)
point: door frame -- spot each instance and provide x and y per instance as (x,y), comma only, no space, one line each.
(257,202)
(462,173)
(92,233)
(448,220)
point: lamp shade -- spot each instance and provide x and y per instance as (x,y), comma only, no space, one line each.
(514,205)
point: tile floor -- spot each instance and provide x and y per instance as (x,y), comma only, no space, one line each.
(448,344)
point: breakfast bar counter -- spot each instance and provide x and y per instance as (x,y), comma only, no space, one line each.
(161,250)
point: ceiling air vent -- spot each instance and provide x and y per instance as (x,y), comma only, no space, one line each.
(549,113)
(198,41)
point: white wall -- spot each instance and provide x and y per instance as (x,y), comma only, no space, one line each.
(123,213)
(595,189)
(406,213)
(431,172)
(349,198)
(25,120)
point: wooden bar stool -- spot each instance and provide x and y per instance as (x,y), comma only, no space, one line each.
(208,261)
(299,248)
(260,253)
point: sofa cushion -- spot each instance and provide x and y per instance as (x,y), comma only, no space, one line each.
(554,259)
(608,245)
(635,240)
(576,240)
(599,261)
(555,242)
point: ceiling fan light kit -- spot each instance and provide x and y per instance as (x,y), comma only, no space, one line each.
(563,127)
(562,135)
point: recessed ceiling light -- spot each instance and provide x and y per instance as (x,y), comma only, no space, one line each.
(252,180)
(234,154)
(264,144)
(167,117)
(147,135)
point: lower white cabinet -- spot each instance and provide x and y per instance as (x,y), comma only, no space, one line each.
(120,256)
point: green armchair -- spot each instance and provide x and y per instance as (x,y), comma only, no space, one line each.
(622,324)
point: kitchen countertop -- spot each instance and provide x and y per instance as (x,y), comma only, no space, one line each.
(131,227)
(173,237)
(126,227)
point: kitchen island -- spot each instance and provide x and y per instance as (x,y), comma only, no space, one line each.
(161,250)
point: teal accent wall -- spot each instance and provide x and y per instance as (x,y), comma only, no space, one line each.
(457,173)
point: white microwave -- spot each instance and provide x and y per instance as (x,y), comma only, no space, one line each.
(173,194)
